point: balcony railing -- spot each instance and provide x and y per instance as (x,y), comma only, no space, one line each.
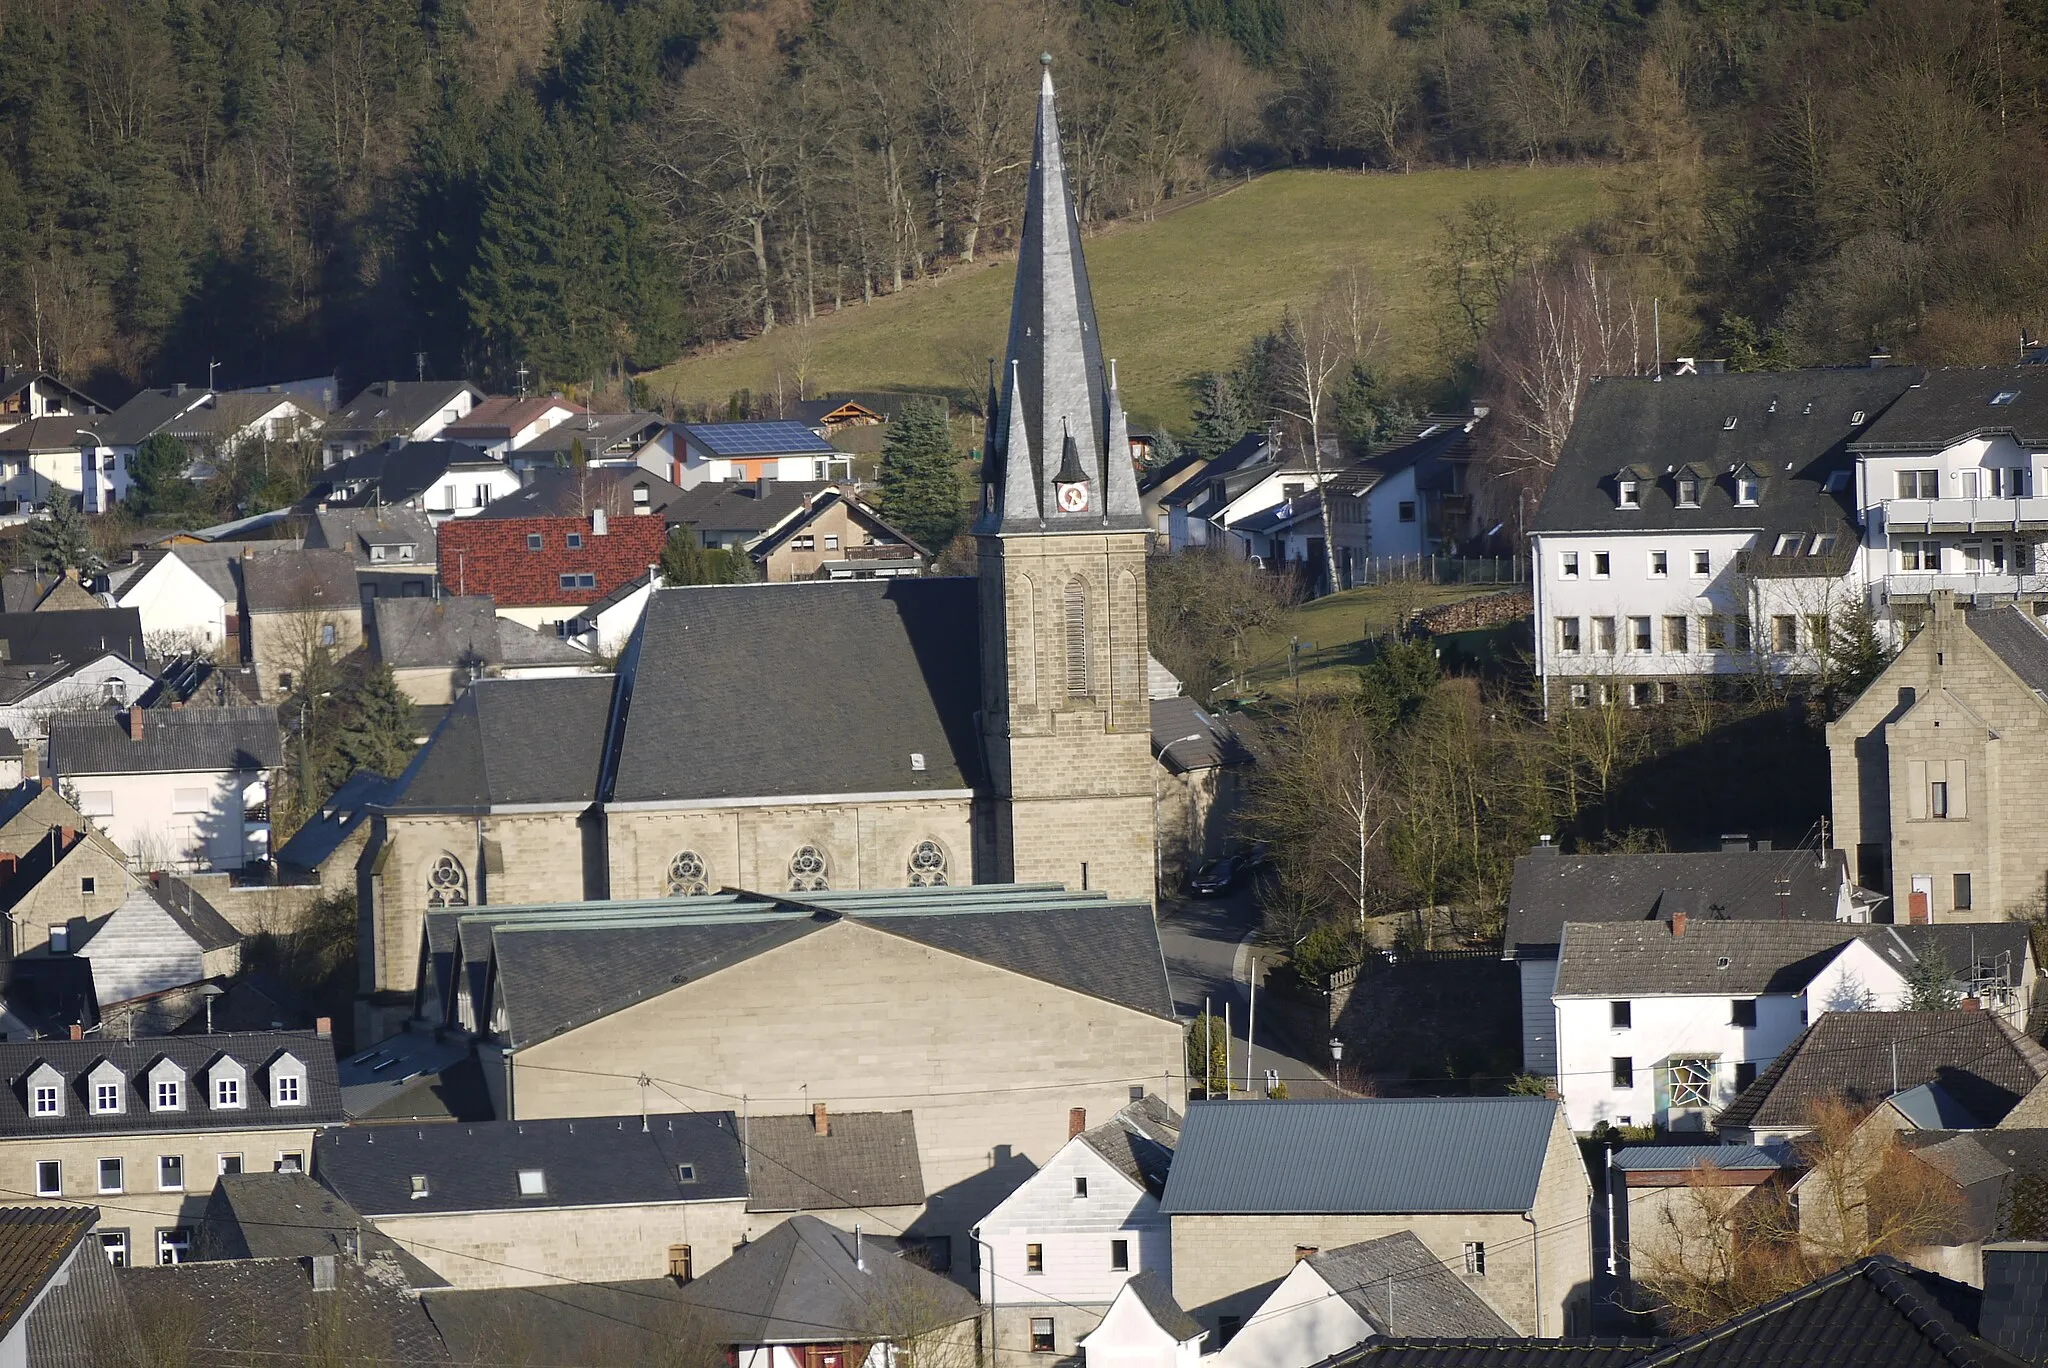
(1966,515)
(1907,584)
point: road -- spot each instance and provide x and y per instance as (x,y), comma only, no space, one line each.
(1207,958)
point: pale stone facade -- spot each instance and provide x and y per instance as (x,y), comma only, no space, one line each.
(866,844)
(538,1245)
(88,881)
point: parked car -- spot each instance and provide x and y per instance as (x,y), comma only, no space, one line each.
(1217,877)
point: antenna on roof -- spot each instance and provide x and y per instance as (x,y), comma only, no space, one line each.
(643,1103)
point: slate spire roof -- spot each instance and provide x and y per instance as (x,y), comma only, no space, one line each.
(1060,414)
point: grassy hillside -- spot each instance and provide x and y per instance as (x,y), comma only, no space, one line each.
(1176,297)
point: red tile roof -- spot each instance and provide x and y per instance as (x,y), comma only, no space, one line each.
(495,556)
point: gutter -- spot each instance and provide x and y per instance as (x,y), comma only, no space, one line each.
(1535,1267)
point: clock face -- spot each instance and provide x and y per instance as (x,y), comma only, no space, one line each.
(1073,498)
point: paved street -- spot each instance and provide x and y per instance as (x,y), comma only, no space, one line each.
(1206,958)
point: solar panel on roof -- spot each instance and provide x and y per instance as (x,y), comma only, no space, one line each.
(766,438)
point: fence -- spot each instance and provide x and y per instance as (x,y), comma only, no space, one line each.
(1442,570)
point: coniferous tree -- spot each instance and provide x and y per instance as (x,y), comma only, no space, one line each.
(920,479)
(161,492)
(1220,419)
(62,541)
(376,731)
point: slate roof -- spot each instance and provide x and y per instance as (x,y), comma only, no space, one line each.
(356,530)
(561,493)
(290,1216)
(414,1077)
(256,1050)
(34,1241)
(213,562)
(508,741)
(1712,958)
(744,509)
(586,1161)
(458,632)
(629,1322)
(758,437)
(897,546)
(299,581)
(1795,427)
(400,471)
(56,433)
(45,638)
(2014,1314)
(1978,1060)
(2015,638)
(852,685)
(186,740)
(228,415)
(1157,1298)
(1681,1158)
(601,434)
(195,916)
(1952,403)
(266,1311)
(1931,1108)
(149,412)
(502,415)
(1965,943)
(1215,743)
(1491,1353)
(1428,1299)
(339,817)
(1550,888)
(1139,1142)
(801,1283)
(1370,1155)
(396,406)
(868,1160)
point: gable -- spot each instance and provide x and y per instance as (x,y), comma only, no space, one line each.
(1052,1186)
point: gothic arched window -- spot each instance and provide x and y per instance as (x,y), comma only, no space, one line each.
(928,865)
(808,872)
(447,882)
(686,876)
(1077,638)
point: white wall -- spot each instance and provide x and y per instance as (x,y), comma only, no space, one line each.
(29,717)
(139,813)
(171,598)
(463,493)
(1386,534)
(1128,1337)
(1074,1232)
(1303,1322)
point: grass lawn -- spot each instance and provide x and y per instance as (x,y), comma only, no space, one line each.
(1342,626)
(1175,297)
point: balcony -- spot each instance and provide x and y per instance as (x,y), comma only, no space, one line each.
(1966,515)
(1983,589)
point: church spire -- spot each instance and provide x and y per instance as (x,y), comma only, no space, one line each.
(1061,412)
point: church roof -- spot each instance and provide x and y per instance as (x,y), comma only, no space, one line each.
(1058,415)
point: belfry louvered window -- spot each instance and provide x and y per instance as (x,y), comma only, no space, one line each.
(1077,638)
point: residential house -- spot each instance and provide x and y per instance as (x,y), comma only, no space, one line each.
(1200,762)
(1700,528)
(1286,538)
(59,1303)
(603,628)
(438,647)
(1144,1328)
(1984,1065)
(418,1076)
(53,664)
(225,1314)
(182,789)
(291,1216)
(1192,508)
(148,1126)
(835,536)
(393,548)
(737,516)
(761,449)
(1734,883)
(67,595)
(103,455)
(1392,1287)
(188,598)
(1054,1254)
(1663,1023)
(1154,487)
(41,461)
(542,570)
(1410,498)
(835,414)
(216,429)
(153,941)
(1493,1187)
(60,885)
(27,393)
(514,1204)
(505,423)
(1243,504)
(1655,1195)
(28,812)
(298,604)
(441,479)
(410,411)
(1937,769)
(643,439)
(847,1168)
(976,983)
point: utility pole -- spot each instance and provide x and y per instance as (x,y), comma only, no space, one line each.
(1251,1026)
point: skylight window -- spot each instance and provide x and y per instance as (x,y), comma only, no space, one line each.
(1856,418)
(533,1183)
(2004,397)
(1729,426)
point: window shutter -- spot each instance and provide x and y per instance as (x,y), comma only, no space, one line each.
(1077,638)
(1916,788)
(1958,791)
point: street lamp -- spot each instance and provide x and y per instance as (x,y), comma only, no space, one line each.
(89,478)
(1158,841)
(1336,1050)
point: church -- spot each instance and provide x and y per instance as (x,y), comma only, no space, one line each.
(793,738)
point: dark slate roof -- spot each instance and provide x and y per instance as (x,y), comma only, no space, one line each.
(55,433)
(600,433)
(1428,1299)
(45,638)
(290,1216)
(149,412)
(742,508)
(2014,1314)
(1981,1063)
(1953,403)
(396,405)
(617,1323)
(759,437)
(1175,720)
(890,542)
(400,471)
(50,994)
(848,684)
(414,1077)
(323,833)
(1139,1142)
(1492,1353)
(451,632)
(586,1161)
(195,916)
(255,1050)
(1157,1298)
(2017,639)
(1683,1158)
(802,1283)
(185,740)
(1793,426)
(868,1160)
(1712,958)
(1743,885)
(298,581)
(510,741)
(266,1311)
(33,1244)
(558,493)
(1964,944)
(1369,1155)
(356,530)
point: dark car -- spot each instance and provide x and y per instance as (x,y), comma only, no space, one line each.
(1217,877)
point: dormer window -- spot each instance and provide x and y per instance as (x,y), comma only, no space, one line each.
(406,552)
(1688,491)
(166,1087)
(1627,494)
(376,553)
(420,1187)
(287,1082)
(1748,489)
(1788,544)
(107,1088)
(230,1085)
(46,1091)
(1823,544)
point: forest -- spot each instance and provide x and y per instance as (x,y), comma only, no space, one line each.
(585,188)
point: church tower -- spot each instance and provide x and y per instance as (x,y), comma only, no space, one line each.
(1066,719)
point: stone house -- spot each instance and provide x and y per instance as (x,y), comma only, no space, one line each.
(147,1126)
(833,535)
(66,881)
(1199,764)
(848,1168)
(154,941)
(1663,1202)
(1939,770)
(437,647)
(296,604)
(1493,1187)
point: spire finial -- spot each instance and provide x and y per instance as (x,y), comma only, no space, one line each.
(1045,59)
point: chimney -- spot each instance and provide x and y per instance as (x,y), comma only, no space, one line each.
(1970,1004)
(323,1027)
(77,1031)
(48,780)
(1678,921)
(820,1121)
(323,1272)
(178,389)
(1734,842)
(1077,1121)
(764,485)
(597,523)
(134,721)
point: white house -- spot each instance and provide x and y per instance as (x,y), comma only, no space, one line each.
(186,596)
(31,695)
(1144,1328)
(604,626)
(771,449)
(410,410)
(1054,1254)
(504,423)
(1662,1023)
(212,424)
(1189,511)
(186,788)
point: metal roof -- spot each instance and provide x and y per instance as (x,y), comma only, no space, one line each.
(1676,1158)
(769,437)
(1360,1156)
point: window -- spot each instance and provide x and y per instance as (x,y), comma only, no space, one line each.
(106,1097)
(110,1175)
(49,1178)
(173,1246)
(1568,565)
(687,877)
(1823,544)
(1702,564)
(808,872)
(831,542)
(1034,1258)
(1603,635)
(1784,633)
(1626,495)
(1080,1188)
(1919,484)
(1937,801)
(114,1244)
(1688,491)
(1579,696)
(1660,565)
(1475,1258)
(1920,555)
(1603,564)
(285,1090)
(1676,633)
(1041,1332)
(1716,629)
(169,1094)
(291,1161)
(88,884)
(47,1100)
(1624,1072)
(1568,636)
(191,800)
(227,1164)
(1741,634)
(60,940)
(114,689)
(376,553)
(681,1266)
(420,1187)
(483,495)
(1788,544)
(1620,1015)
(1227,1328)
(805,542)
(1119,1256)
(686,1173)
(535,541)
(447,882)
(170,1173)
(1077,638)
(2010,482)
(928,869)
(577,581)
(1748,491)
(1692,1082)
(1639,635)
(227,1092)
(533,1183)
(1962,892)
(574,541)
(1742,1013)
